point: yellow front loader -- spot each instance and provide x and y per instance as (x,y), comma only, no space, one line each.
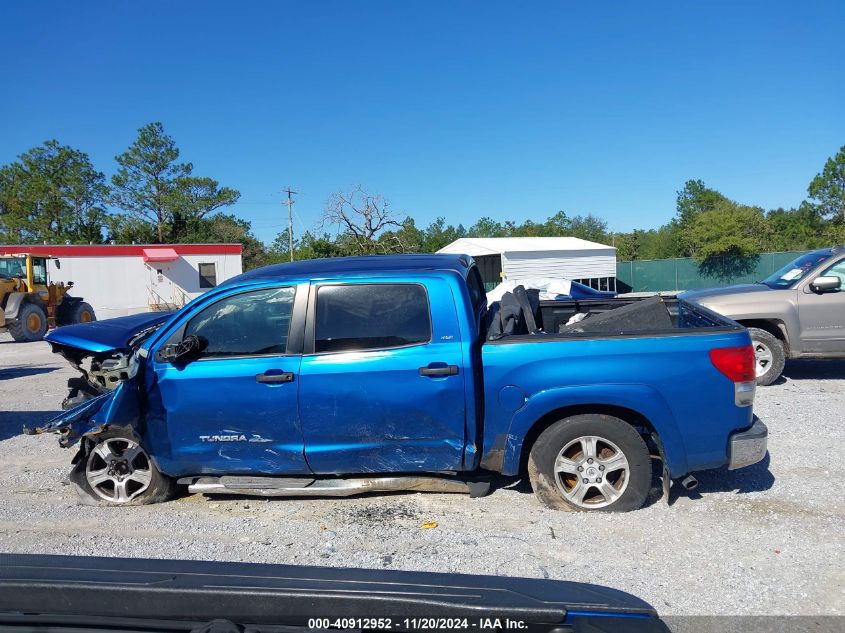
(30,303)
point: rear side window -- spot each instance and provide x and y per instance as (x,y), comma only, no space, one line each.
(476,288)
(247,324)
(371,316)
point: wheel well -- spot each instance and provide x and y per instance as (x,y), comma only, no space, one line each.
(17,300)
(772,327)
(634,418)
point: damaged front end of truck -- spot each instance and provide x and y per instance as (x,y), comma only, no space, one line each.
(102,352)
(104,419)
(109,464)
(116,410)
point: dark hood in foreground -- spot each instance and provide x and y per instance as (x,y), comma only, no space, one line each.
(287,594)
(102,337)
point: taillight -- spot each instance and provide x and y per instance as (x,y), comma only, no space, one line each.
(737,363)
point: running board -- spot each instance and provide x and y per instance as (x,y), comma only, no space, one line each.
(297,487)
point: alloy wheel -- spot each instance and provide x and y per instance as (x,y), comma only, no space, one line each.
(118,470)
(763,358)
(591,472)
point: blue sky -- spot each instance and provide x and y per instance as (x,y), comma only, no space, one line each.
(459,109)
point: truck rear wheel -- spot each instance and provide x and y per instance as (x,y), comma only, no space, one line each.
(30,325)
(769,356)
(590,462)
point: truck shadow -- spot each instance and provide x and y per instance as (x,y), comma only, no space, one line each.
(12,422)
(754,478)
(22,372)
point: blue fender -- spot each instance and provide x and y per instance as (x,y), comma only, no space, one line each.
(115,408)
(636,397)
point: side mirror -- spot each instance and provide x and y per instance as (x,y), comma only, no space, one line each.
(827,283)
(58,264)
(187,349)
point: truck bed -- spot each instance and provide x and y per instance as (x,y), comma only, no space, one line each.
(611,317)
(656,367)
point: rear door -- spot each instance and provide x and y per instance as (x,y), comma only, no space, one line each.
(382,382)
(822,315)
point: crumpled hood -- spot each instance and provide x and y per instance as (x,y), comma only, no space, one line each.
(713,293)
(101,337)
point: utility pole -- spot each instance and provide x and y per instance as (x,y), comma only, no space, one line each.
(290,219)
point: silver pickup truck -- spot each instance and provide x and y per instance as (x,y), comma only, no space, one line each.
(797,312)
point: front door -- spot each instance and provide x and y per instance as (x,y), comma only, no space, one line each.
(382,390)
(233,409)
(822,315)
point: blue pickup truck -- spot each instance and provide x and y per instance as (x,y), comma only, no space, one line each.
(349,375)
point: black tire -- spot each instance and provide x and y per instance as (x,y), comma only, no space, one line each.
(79,312)
(160,487)
(632,484)
(763,342)
(30,324)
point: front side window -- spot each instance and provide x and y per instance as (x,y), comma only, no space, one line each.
(39,270)
(371,316)
(247,324)
(837,270)
(12,267)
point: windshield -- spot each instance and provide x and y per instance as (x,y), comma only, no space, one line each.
(795,270)
(12,267)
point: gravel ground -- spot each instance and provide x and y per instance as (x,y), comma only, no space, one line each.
(763,540)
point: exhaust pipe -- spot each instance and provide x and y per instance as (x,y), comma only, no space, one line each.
(689,482)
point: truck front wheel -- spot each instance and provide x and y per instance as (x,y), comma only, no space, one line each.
(117,471)
(590,462)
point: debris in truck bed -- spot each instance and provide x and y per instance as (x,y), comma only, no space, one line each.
(644,315)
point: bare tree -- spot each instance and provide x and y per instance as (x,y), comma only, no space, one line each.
(361,217)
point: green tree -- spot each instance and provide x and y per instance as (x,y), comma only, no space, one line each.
(795,229)
(145,183)
(693,200)
(52,192)
(589,227)
(123,228)
(154,188)
(438,234)
(828,187)
(728,239)
(486,227)
(226,228)
(191,199)
(15,221)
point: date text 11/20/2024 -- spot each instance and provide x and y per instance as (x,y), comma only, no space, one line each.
(418,624)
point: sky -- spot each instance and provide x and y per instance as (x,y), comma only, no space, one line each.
(453,109)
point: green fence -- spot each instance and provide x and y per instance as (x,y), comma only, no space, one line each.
(658,275)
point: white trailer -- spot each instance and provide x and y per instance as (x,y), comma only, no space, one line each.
(570,258)
(126,279)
